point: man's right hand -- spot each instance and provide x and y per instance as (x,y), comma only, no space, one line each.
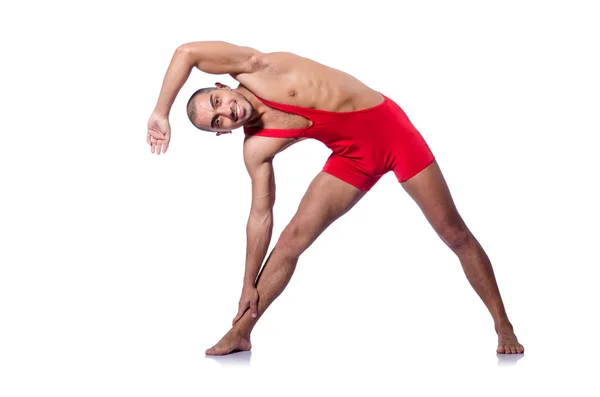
(249,299)
(159,133)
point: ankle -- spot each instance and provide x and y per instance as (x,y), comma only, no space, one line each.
(241,331)
(504,327)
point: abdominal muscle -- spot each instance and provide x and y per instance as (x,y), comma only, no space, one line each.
(293,80)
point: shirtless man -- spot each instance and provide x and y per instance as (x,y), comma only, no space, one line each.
(282,99)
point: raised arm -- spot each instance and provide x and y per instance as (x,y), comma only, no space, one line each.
(214,57)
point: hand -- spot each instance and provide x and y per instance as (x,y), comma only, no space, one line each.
(159,133)
(249,299)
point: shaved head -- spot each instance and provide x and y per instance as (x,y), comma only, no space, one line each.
(191,107)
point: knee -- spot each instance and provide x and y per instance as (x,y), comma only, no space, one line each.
(455,236)
(291,242)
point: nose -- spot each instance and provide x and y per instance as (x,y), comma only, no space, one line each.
(227,110)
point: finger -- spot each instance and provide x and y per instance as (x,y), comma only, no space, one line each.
(148,139)
(165,145)
(235,319)
(241,312)
(156,134)
(254,308)
(157,145)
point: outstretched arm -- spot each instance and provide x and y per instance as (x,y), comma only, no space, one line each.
(260,221)
(214,57)
(258,157)
(259,230)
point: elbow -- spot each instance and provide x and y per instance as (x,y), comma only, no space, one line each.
(184,49)
(262,216)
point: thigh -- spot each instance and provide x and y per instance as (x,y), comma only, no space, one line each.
(349,171)
(431,193)
(326,199)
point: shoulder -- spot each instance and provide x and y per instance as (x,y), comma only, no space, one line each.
(259,149)
(278,62)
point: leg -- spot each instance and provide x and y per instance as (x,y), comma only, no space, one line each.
(326,200)
(431,193)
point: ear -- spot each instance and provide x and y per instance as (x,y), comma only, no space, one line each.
(219,85)
(223,132)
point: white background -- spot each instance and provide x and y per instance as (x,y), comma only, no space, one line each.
(119,267)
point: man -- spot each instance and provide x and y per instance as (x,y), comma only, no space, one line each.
(282,99)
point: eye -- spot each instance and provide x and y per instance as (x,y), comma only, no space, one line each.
(218,122)
(217,101)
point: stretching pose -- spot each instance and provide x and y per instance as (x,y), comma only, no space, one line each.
(282,99)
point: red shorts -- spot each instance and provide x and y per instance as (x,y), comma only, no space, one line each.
(382,139)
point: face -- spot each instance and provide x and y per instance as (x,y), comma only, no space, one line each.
(222,110)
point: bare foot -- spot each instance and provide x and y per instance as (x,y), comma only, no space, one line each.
(508,343)
(232,342)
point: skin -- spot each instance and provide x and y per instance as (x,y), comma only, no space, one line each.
(294,80)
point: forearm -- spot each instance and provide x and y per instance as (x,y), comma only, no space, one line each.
(258,231)
(177,74)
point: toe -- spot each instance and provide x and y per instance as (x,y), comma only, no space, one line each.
(500,349)
(213,351)
(513,350)
(520,349)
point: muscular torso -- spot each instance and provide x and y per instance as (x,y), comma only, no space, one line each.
(294,80)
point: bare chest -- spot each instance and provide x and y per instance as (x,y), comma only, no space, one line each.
(277,119)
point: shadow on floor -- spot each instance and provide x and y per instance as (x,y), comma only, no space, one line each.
(240,359)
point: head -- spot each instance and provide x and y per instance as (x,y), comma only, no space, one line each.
(219,109)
